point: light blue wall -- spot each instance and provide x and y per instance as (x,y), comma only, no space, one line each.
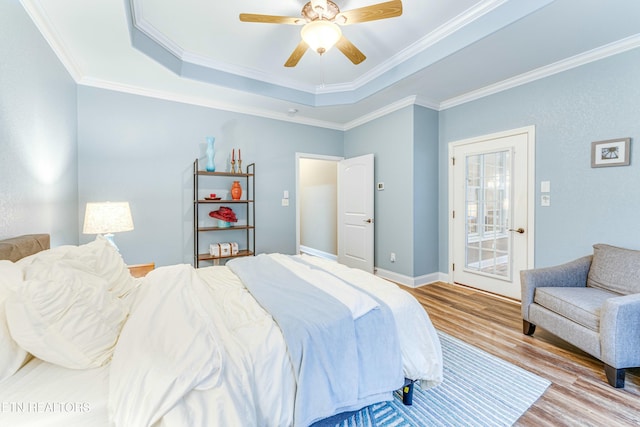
(390,139)
(63,145)
(142,149)
(38,159)
(425,192)
(597,101)
(405,148)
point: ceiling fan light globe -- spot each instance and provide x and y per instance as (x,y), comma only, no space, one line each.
(321,35)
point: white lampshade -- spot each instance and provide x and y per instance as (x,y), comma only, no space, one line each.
(107,218)
(321,35)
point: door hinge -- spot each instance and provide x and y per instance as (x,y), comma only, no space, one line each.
(453,161)
(453,267)
(453,214)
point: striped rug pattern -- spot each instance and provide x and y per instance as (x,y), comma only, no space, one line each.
(479,390)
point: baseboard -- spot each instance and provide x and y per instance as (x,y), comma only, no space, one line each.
(310,251)
(412,282)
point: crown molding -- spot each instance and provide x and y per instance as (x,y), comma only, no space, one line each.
(40,19)
(249,73)
(307,94)
(264,113)
(390,108)
(438,35)
(575,61)
(427,103)
(166,43)
(204,102)
(42,22)
(441,33)
(410,100)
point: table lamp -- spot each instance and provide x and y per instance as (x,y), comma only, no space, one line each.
(107,218)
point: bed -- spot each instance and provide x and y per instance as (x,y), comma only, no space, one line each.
(83,343)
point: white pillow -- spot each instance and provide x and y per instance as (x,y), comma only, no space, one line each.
(12,356)
(98,257)
(56,253)
(110,265)
(65,315)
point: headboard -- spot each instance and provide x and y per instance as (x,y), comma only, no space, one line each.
(19,247)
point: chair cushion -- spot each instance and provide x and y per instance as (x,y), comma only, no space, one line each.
(615,269)
(581,305)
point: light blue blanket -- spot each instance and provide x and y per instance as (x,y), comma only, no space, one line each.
(340,364)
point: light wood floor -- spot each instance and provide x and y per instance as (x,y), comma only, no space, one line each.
(579,394)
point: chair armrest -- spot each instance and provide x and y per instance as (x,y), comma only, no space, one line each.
(571,274)
(619,333)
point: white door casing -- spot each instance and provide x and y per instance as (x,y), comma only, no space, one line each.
(355,212)
(491,206)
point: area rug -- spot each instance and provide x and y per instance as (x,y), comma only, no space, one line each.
(478,390)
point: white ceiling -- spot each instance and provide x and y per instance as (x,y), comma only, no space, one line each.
(439,53)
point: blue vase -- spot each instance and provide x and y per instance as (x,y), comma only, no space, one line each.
(211,165)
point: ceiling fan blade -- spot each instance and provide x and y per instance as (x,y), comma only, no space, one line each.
(389,9)
(297,54)
(350,51)
(271,19)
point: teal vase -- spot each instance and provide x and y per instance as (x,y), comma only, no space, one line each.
(211,154)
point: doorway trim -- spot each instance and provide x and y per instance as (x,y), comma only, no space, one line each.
(300,156)
(531,188)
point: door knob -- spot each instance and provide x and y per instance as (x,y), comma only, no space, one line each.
(368,220)
(517,230)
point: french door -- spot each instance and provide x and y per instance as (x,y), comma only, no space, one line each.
(491,223)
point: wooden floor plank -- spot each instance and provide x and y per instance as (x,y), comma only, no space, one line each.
(579,394)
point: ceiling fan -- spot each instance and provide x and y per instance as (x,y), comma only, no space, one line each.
(321,20)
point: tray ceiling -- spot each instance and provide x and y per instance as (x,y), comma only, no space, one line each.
(437,54)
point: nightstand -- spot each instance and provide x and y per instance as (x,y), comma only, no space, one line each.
(141,270)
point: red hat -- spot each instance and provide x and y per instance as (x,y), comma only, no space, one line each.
(225,214)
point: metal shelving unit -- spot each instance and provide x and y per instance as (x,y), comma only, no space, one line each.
(248,203)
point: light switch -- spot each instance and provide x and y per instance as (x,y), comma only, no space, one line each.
(545,186)
(286,194)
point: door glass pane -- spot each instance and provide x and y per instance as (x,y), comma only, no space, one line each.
(487,214)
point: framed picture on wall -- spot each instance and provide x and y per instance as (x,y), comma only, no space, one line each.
(612,152)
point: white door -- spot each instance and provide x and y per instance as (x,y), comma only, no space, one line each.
(492,216)
(355,212)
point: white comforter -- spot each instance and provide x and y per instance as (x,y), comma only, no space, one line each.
(230,367)
(212,356)
(198,350)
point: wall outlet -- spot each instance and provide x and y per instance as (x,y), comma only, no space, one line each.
(392,257)
(285,202)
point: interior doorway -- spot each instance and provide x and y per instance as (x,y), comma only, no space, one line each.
(317,205)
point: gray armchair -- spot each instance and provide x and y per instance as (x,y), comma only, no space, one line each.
(592,303)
